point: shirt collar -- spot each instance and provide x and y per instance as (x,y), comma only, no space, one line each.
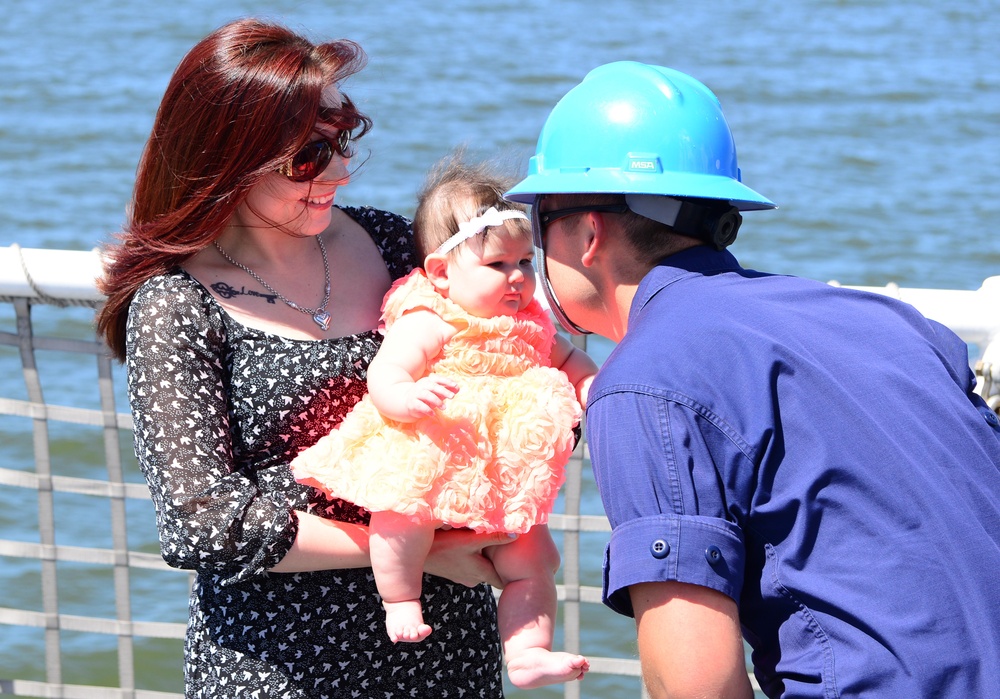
(697,260)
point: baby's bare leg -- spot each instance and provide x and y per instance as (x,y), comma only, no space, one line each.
(398,548)
(526,612)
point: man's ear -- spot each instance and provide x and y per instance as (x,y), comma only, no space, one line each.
(595,237)
(436,269)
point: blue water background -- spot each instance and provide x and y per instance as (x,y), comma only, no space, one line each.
(875,126)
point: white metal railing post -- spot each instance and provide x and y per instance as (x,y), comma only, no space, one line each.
(46,505)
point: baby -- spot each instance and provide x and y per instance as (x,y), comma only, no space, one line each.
(469,419)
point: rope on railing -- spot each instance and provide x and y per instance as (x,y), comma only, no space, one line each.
(42,296)
(60,278)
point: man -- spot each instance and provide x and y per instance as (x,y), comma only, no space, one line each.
(806,464)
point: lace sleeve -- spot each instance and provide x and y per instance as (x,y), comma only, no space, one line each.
(393,235)
(211,517)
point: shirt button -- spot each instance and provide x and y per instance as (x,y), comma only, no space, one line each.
(713,554)
(991,417)
(659,548)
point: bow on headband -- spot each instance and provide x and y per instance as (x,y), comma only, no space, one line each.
(490,217)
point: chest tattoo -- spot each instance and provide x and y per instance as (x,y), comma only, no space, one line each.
(227,292)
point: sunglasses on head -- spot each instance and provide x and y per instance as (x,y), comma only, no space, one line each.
(314,157)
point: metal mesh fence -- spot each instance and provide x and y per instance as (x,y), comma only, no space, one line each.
(80,556)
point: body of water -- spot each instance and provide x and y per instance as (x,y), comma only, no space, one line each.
(874,126)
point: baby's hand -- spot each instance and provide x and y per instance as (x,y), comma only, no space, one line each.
(429,394)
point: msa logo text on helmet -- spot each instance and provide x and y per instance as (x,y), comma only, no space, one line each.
(638,163)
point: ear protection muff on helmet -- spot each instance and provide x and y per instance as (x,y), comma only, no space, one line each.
(712,221)
(716,223)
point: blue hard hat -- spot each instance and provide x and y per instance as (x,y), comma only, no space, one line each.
(633,128)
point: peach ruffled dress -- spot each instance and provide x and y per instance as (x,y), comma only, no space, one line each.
(492,459)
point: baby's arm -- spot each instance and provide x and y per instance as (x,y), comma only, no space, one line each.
(576,364)
(396,377)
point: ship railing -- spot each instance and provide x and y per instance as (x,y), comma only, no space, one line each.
(53,283)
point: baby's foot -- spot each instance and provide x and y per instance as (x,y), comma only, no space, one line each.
(404,621)
(537,667)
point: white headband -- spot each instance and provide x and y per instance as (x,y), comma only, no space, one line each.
(491,217)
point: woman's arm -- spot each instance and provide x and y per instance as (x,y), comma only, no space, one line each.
(576,364)
(396,377)
(457,554)
(212,516)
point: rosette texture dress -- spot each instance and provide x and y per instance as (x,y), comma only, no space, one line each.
(492,459)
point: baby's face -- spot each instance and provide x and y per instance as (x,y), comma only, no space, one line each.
(492,277)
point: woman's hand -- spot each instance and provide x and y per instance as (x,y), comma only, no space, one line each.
(457,554)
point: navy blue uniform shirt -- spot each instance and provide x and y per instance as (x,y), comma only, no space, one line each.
(818,455)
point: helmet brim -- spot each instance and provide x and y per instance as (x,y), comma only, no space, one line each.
(614,181)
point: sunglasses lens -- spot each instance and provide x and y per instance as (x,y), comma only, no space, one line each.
(310,162)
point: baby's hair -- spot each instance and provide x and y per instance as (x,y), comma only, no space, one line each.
(455,192)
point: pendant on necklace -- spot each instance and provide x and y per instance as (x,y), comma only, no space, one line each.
(322,319)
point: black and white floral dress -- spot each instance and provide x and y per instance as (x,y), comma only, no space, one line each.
(220,410)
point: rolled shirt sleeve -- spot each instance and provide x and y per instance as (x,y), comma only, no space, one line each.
(673,512)
(697,550)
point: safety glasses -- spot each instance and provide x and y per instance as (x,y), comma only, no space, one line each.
(539,220)
(547,217)
(314,157)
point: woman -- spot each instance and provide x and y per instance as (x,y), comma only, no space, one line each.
(244,305)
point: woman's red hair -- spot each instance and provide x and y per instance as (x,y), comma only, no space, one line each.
(238,106)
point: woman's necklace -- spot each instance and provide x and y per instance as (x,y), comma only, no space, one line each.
(319,315)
